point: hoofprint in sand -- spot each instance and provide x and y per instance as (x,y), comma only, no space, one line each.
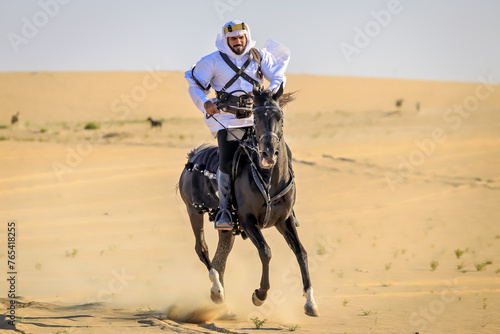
(398,211)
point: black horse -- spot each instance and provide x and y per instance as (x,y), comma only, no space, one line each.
(263,196)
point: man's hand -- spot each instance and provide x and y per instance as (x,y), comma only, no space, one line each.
(210,108)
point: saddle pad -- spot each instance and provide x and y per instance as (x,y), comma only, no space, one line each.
(206,161)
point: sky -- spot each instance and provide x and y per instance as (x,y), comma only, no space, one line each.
(446,40)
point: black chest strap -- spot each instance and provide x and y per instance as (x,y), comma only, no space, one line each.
(240,72)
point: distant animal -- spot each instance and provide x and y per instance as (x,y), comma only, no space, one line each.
(399,104)
(155,124)
(14,119)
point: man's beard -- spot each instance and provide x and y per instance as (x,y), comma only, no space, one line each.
(238,52)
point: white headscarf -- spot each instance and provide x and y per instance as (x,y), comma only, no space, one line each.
(221,41)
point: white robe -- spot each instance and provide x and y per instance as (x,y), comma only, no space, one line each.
(212,70)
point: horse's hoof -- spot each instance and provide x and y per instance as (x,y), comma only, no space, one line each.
(311,310)
(217,297)
(217,291)
(256,301)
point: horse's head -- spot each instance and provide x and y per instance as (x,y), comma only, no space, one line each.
(268,118)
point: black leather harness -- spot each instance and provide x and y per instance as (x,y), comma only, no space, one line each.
(240,72)
(239,105)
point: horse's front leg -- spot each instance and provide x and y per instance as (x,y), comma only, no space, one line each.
(254,234)
(288,230)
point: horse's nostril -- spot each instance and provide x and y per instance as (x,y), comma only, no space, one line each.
(266,153)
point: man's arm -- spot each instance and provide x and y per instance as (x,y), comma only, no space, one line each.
(203,72)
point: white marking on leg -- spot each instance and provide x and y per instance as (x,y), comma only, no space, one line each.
(310,307)
(217,288)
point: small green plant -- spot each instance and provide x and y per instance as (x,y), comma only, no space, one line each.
(18,320)
(345,302)
(482,266)
(320,248)
(91,126)
(388,266)
(38,266)
(257,322)
(71,253)
(461,266)
(292,328)
(459,253)
(365,313)
(484,303)
(434,265)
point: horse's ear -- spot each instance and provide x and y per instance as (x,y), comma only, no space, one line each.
(278,94)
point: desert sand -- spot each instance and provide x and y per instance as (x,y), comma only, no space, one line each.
(399,208)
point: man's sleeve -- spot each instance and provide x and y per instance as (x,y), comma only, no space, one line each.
(275,58)
(197,77)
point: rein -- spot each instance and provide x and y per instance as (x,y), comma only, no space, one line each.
(240,142)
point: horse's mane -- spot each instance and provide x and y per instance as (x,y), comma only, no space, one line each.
(263,95)
(287,98)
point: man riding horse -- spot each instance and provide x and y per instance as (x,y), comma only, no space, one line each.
(232,71)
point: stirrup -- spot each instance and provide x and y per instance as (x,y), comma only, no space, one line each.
(223,226)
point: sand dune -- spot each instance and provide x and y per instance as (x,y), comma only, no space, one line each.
(398,208)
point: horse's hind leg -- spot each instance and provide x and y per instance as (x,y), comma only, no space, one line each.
(289,232)
(226,241)
(200,247)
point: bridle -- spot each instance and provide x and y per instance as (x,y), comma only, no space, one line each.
(271,133)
